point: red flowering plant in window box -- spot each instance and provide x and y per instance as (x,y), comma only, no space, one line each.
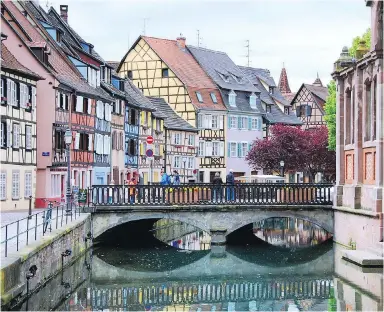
(29,105)
(178,146)
(191,147)
(3,100)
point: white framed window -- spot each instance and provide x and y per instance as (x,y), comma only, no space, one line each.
(2,88)
(56,185)
(215,149)
(232,98)
(207,121)
(191,163)
(252,100)
(13,92)
(24,95)
(16,135)
(254,124)
(3,185)
(3,136)
(28,137)
(213,97)
(28,184)
(199,121)
(191,140)
(232,149)
(199,97)
(215,122)
(33,100)
(176,161)
(201,151)
(240,123)
(244,148)
(233,122)
(177,139)
(15,184)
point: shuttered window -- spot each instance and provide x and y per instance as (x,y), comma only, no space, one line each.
(16,135)
(28,137)
(3,185)
(3,134)
(15,184)
(28,184)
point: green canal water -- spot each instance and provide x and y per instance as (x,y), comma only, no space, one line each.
(276,265)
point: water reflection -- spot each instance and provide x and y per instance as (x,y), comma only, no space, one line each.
(290,232)
(181,235)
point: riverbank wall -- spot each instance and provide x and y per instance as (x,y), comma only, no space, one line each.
(50,255)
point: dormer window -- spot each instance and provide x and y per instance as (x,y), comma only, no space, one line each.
(86,47)
(271,90)
(130,74)
(286,110)
(52,31)
(224,77)
(199,97)
(252,100)
(232,98)
(82,67)
(269,108)
(41,54)
(213,97)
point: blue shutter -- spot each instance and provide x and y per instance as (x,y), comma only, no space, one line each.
(249,123)
(229,122)
(229,149)
(308,110)
(239,123)
(249,146)
(238,149)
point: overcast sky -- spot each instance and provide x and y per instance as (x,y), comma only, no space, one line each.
(307,35)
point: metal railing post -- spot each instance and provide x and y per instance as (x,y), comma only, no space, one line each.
(30,208)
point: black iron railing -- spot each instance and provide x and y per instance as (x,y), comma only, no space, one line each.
(18,234)
(208,194)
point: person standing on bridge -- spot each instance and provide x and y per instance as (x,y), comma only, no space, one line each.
(217,185)
(132,190)
(231,186)
(176,176)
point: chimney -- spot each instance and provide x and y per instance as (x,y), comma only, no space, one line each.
(180,41)
(64,12)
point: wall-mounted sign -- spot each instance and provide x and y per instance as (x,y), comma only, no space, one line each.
(45,153)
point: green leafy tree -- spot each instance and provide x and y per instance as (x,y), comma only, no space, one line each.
(355,42)
(330,115)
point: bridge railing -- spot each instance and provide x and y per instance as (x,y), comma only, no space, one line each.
(209,194)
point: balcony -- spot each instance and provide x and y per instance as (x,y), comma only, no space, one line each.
(61,117)
(102,125)
(59,158)
(131,129)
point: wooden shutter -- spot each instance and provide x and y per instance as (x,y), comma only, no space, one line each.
(238,149)
(105,145)
(228,149)
(249,123)
(221,122)
(89,108)
(77,141)
(90,142)
(229,122)
(33,100)
(208,149)
(79,104)
(9,92)
(101,110)
(298,111)
(28,137)
(9,134)
(221,148)
(58,94)
(308,110)
(208,121)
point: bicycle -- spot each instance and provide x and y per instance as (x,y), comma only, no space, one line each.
(47,216)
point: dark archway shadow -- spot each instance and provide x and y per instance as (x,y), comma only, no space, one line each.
(132,246)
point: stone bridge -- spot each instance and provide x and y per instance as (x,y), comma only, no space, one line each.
(219,220)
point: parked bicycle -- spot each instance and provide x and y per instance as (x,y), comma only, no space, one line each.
(47,216)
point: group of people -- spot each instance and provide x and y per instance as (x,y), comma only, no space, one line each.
(171,179)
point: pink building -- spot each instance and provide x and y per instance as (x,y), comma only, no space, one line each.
(359,141)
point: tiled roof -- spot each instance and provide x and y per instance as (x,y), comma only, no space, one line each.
(111,89)
(283,82)
(219,66)
(277,116)
(8,61)
(136,97)
(242,103)
(172,120)
(182,63)
(289,96)
(113,64)
(320,92)
(263,74)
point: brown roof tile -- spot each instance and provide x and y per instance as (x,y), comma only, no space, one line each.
(9,61)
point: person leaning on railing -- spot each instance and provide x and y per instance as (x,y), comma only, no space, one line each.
(231,186)
(132,190)
(217,187)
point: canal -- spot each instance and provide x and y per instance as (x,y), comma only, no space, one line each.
(279,264)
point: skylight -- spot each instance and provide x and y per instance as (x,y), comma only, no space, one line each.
(213,97)
(199,97)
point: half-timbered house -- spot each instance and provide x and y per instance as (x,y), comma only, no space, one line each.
(72,105)
(242,99)
(18,132)
(165,68)
(181,143)
(308,104)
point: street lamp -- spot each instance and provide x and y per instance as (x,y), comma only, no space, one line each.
(282,168)
(68,141)
(184,161)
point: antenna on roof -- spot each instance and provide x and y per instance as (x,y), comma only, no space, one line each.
(247,56)
(144,28)
(198,38)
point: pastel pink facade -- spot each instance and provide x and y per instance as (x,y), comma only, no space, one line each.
(359,141)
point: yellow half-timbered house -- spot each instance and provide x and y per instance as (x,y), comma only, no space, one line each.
(166,69)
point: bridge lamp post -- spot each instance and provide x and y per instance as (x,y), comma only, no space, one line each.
(184,162)
(282,168)
(68,141)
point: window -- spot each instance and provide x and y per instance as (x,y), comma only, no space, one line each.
(252,100)
(86,47)
(254,122)
(176,161)
(232,98)
(15,184)
(130,74)
(191,140)
(368,112)
(164,73)
(51,31)
(82,67)
(242,122)
(191,162)
(28,137)
(82,141)
(85,105)
(215,122)
(215,149)
(59,140)
(12,96)
(199,121)
(271,90)
(2,89)
(244,149)
(232,149)
(3,134)
(24,95)
(56,184)
(286,110)
(213,97)
(201,148)
(3,185)
(28,184)
(16,135)
(199,97)
(132,147)
(177,139)
(132,117)
(268,108)
(233,122)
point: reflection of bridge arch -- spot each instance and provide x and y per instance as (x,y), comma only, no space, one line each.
(209,219)
(209,292)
